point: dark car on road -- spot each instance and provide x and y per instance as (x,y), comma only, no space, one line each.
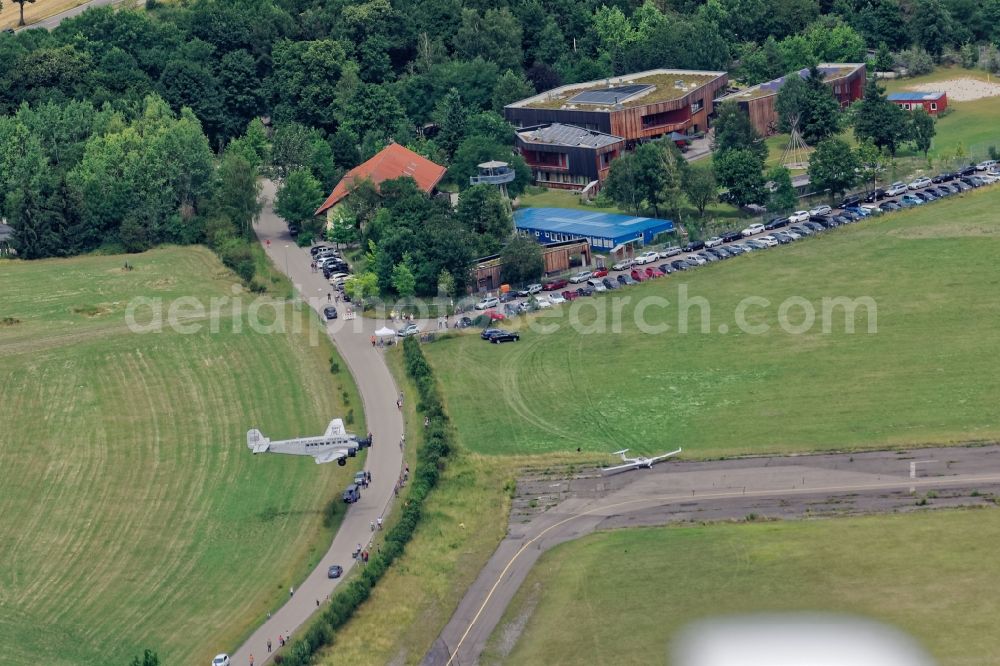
(694,245)
(666,269)
(967,171)
(890,206)
(875,195)
(625,280)
(943,177)
(851,200)
(335,571)
(680,265)
(609,284)
(776,223)
(330,312)
(464,322)
(730,236)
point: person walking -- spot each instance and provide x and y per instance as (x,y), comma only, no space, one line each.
(291,591)
(371,524)
(373,341)
(268,645)
(251,659)
(380,523)
(329,297)
(368,475)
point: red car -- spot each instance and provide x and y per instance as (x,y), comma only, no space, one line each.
(554,285)
(638,275)
(600,272)
(654,272)
(570,295)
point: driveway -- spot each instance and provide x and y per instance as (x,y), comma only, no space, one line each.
(384,459)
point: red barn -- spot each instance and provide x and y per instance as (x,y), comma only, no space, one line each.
(933,102)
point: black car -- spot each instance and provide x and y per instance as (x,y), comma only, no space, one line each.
(625,279)
(943,177)
(609,284)
(330,312)
(708,257)
(890,206)
(464,322)
(926,195)
(693,246)
(802,230)
(335,571)
(852,200)
(488,333)
(962,186)
(967,171)
(680,265)
(875,195)
(783,239)
(585,291)
(776,223)
(666,269)
(736,250)
(850,215)
(815,226)
(840,218)
(730,236)
(504,336)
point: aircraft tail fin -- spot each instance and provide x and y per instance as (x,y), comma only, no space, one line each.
(256,442)
(620,453)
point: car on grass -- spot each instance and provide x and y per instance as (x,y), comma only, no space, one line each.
(911,200)
(487,303)
(737,249)
(647,258)
(708,256)
(799,216)
(696,259)
(622,265)
(335,571)
(918,183)
(752,229)
(221,660)
(768,241)
(596,285)
(819,210)
(625,280)
(652,272)
(791,233)
(570,295)
(783,239)
(714,241)
(582,276)
(889,206)
(638,275)
(756,244)
(986,166)
(530,290)
(556,298)
(666,269)
(600,272)
(542,302)
(500,335)
(681,264)
(801,230)
(609,284)
(555,285)
(670,251)
(896,189)
(408,330)
(330,312)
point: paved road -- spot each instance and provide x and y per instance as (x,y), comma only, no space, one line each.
(378,394)
(679,491)
(54,20)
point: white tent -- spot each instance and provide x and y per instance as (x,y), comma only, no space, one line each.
(384,331)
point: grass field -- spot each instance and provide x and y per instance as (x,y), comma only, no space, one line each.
(930,374)
(620,597)
(136,517)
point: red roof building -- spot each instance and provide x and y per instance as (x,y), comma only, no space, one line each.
(393,161)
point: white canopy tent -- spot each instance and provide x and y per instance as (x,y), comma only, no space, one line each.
(385,331)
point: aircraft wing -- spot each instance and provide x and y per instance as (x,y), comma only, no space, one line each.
(619,468)
(330,456)
(665,455)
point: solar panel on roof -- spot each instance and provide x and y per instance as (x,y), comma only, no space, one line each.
(609,95)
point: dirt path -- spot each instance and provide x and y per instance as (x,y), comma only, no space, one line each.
(378,394)
(548,511)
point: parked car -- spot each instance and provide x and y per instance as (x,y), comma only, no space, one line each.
(791,233)
(556,298)
(986,166)
(316,249)
(585,290)
(752,229)
(221,660)
(737,249)
(819,210)
(570,295)
(850,200)
(783,239)
(464,322)
(600,272)
(802,230)
(609,284)
(815,226)
(799,216)
(623,265)
(666,269)
(872,209)
(708,257)
(352,494)
(335,571)
(967,171)
(504,336)
(943,177)
(508,297)
(624,279)
(530,290)
(330,312)
(768,241)
(919,183)
(554,285)
(911,200)
(652,272)
(896,189)
(730,236)
(680,265)
(637,275)
(647,258)
(962,185)
(889,206)
(925,196)
(756,244)
(487,302)
(542,302)
(875,195)
(714,241)
(718,252)
(696,259)
(693,246)
(596,285)
(670,251)
(408,330)
(776,223)
(582,276)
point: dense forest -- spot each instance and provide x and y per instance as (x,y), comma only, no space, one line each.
(129,128)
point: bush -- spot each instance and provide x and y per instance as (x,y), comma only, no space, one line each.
(431,458)
(916,61)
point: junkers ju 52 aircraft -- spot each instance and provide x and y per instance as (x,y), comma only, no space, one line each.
(636,463)
(335,444)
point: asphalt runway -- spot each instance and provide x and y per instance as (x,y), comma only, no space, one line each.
(550,511)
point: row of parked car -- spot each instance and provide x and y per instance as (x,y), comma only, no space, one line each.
(335,269)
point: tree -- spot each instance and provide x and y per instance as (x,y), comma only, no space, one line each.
(362,287)
(740,171)
(931,26)
(343,230)
(236,192)
(833,166)
(733,131)
(521,261)
(20,21)
(701,188)
(883,58)
(445,284)
(149,658)
(482,210)
(452,118)
(510,87)
(878,120)
(872,162)
(792,103)
(476,150)
(297,200)
(621,184)
(922,130)
(783,196)
(821,114)
(402,278)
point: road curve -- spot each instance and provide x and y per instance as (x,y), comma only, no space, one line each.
(775,487)
(378,394)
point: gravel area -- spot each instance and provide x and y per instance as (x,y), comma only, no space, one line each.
(961,90)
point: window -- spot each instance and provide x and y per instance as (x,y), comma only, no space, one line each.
(933,106)
(906,106)
(537,234)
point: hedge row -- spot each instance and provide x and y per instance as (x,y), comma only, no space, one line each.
(430,461)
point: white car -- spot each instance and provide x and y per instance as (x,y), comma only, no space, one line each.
(769,241)
(487,303)
(221,660)
(337,277)
(555,298)
(582,276)
(623,265)
(755,229)
(798,216)
(872,209)
(543,302)
(714,241)
(646,258)
(990,178)
(533,289)
(918,183)
(895,189)
(668,252)
(986,166)
(820,210)
(695,259)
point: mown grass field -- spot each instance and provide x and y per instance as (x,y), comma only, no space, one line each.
(930,374)
(135,516)
(620,597)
